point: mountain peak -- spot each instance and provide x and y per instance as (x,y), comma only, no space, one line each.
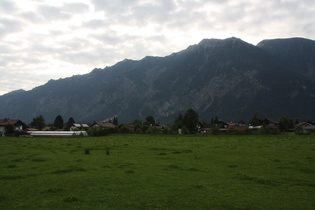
(15,92)
(211,43)
(284,41)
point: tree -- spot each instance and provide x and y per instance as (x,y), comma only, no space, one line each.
(9,130)
(216,120)
(298,130)
(255,120)
(58,123)
(285,124)
(70,122)
(115,121)
(38,122)
(191,120)
(179,121)
(150,120)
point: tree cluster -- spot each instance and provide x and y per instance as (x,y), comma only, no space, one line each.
(39,123)
(187,123)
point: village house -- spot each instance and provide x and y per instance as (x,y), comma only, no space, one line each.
(103,125)
(79,126)
(161,126)
(269,123)
(46,128)
(18,125)
(204,127)
(238,127)
(305,127)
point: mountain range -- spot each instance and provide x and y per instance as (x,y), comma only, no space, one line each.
(228,78)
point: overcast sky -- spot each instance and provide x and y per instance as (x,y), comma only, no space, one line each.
(52,39)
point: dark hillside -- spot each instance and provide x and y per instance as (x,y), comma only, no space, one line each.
(227,78)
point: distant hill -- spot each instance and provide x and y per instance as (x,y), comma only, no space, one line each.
(227,78)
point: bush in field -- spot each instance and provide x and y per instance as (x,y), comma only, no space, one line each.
(265,130)
(298,130)
(285,124)
(153,130)
(93,131)
(238,131)
(138,131)
(144,127)
(101,132)
(124,129)
(168,131)
(215,130)
(107,152)
(9,130)
(87,151)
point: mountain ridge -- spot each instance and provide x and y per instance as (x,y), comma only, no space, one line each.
(228,78)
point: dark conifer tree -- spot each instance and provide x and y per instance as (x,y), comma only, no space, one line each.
(58,123)
(70,122)
(115,121)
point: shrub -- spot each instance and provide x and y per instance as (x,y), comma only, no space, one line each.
(101,132)
(124,129)
(298,130)
(238,131)
(87,151)
(215,130)
(265,130)
(153,130)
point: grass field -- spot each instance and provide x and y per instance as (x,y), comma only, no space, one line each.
(158,172)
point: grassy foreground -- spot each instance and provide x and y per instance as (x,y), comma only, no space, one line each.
(158,172)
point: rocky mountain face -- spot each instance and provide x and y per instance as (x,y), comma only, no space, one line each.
(227,78)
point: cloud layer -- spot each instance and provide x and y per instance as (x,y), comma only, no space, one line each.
(42,40)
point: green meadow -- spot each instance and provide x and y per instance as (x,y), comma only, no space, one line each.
(158,172)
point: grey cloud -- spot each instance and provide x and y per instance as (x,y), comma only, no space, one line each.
(8,26)
(80,57)
(5,49)
(114,6)
(111,38)
(96,23)
(53,13)
(309,28)
(135,12)
(157,12)
(7,6)
(50,13)
(38,49)
(76,45)
(17,59)
(12,81)
(284,17)
(76,7)
(32,17)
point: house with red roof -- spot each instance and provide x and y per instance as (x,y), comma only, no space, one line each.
(18,125)
(103,125)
